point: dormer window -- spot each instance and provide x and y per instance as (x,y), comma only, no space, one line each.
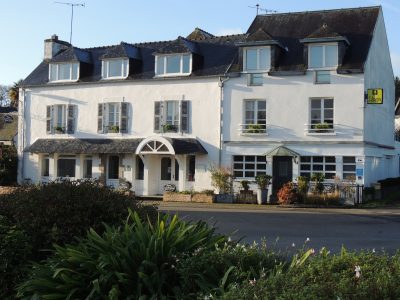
(115,68)
(257,59)
(323,56)
(173,65)
(64,72)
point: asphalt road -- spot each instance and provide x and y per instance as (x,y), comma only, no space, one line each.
(355,229)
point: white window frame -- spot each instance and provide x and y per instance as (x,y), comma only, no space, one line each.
(105,68)
(116,114)
(243,161)
(57,66)
(349,164)
(323,67)
(258,70)
(175,113)
(56,121)
(70,157)
(323,163)
(316,81)
(164,63)
(322,111)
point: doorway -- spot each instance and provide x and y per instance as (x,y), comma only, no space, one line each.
(282,172)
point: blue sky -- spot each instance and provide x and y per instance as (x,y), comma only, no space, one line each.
(24,24)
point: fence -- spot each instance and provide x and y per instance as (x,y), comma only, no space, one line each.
(349,192)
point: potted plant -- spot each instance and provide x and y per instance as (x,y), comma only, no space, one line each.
(263,181)
(322,127)
(245,187)
(114,129)
(59,129)
(169,128)
(245,194)
(222,180)
(254,128)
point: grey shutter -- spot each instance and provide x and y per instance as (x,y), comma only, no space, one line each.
(49,119)
(71,119)
(100,116)
(184,116)
(157,116)
(124,117)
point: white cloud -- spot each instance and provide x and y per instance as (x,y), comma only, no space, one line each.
(395,63)
(228,31)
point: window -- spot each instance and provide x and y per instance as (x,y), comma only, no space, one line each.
(45,166)
(249,166)
(60,119)
(322,77)
(66,166)
(115,68)
(112,117)
(191,167)
(63,72)
(257,59)
(165,168)
(173,64)
(321,112)
(113,167)
(323,56)
(349,167)
(139,168)
(176,170)
(254,116)
(325,165)
(171,116)
(255,79)
(87,167)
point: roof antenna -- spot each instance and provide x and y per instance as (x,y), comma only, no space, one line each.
(258,8)
(72,14)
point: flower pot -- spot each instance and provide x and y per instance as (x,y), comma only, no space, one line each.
(262,196)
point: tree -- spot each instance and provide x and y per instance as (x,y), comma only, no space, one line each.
(4,95)
(13,93)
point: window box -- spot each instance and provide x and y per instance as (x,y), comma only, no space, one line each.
(59,129)
(255,128)
(113,129)
(322,127)
(169,128)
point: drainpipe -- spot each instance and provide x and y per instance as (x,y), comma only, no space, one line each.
(21,135)
(222,80)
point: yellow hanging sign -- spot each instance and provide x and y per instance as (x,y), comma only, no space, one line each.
(375,96)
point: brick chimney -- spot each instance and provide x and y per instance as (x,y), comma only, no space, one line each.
(53,45)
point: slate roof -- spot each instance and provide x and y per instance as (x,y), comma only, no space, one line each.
(356,24)
(107,146)
(220,54)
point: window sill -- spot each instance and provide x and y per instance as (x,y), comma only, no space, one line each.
(64,80)
(334,68)
(254,134)
(255,71)
(320,133)
(114,78)
(171,75)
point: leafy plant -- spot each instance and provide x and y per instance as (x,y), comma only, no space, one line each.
(114,129)
(318,179)
(169,128)
(302,187)
(255,128)
(263,181)
(287,194)
(59,129)
(222,179)
(245,185)
(136,261)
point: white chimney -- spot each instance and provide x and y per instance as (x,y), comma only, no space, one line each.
(53,45)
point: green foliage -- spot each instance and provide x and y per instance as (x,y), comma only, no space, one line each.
(303,184)
(13,93)
(222,179)
(287,194)
(8,165)
(214,272)
(318,179)
(255,128)
(326,276)
(59,212)
(263,181)
(136,261)
(245,185)
(14,247)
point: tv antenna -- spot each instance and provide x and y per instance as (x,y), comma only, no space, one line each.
(72,14)
(258,9)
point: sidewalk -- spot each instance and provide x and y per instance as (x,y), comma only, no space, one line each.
(253,208)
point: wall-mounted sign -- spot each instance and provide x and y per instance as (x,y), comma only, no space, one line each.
(375,96)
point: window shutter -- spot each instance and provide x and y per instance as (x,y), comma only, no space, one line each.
(184,116)
(100,118)
(157,116)
(71,119)
(124,118)
(49,115)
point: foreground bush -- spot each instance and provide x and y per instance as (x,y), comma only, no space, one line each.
(136,260)
(329,277)
(58,212)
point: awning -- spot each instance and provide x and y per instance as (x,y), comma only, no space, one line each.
(104,146)
(84,146)
(281,151)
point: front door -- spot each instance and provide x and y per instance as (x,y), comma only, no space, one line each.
(282,172)
(113,171)
(169,173)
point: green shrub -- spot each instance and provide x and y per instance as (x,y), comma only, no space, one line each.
(59,212)
(329,277)
(14,247)
(8,165)
(136,260)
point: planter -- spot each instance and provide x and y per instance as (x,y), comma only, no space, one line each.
(203,198)
(246,197)
(224,198)
(176,197)
(262,196)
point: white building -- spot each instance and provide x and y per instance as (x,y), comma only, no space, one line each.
(285,100)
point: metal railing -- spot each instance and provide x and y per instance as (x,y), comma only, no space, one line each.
(323,128)
(253,129)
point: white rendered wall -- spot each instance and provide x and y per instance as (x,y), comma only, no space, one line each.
(203,94)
